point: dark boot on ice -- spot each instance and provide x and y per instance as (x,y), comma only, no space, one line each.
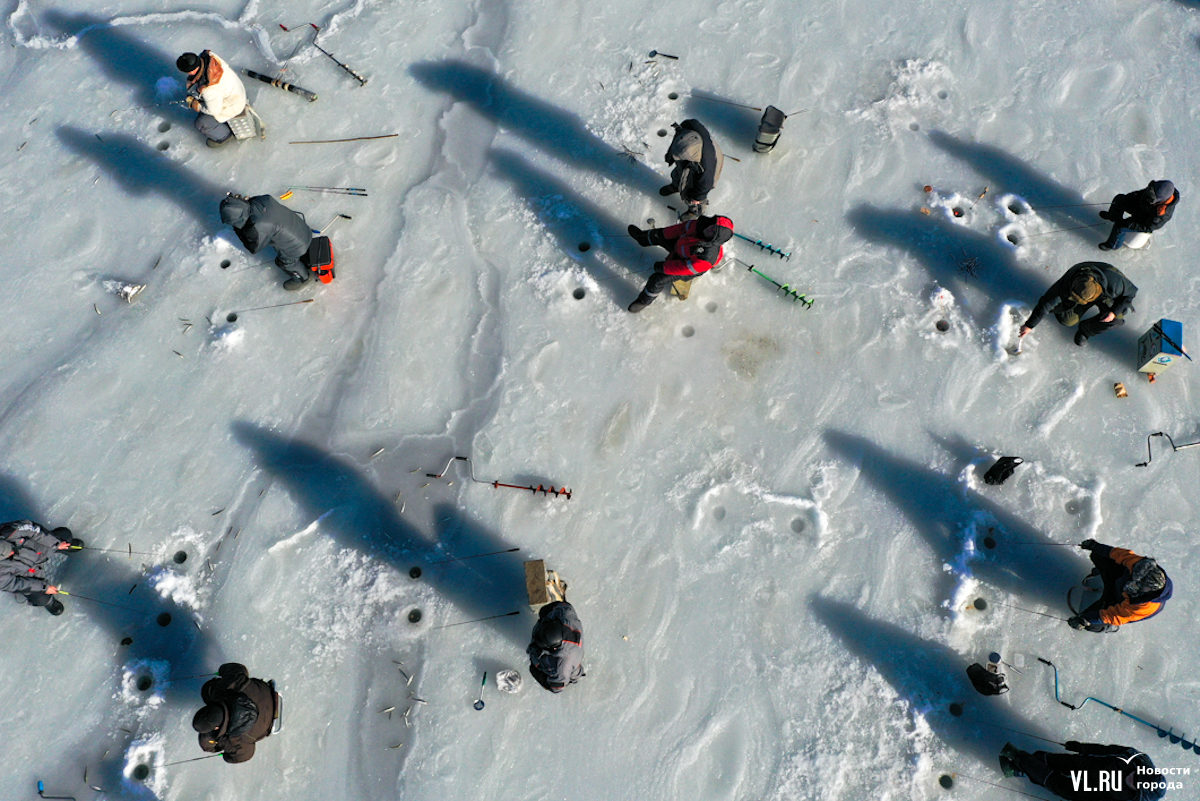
(55,607)
(1010,757)
(295,282)
(639,236)
(220,142)
(642,301)
(1081,339)
(668,190)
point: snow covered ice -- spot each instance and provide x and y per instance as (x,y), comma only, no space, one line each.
(773,539)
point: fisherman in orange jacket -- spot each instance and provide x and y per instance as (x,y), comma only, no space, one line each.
(1134,588)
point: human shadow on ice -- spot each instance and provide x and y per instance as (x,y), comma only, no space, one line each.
(124,58)
(182,642)
(1015,176)
(739,125)
(943,512)
(941,246)
(142,171)
(15,500)
(546,126)
(366,520)
(571,219)
(931,677)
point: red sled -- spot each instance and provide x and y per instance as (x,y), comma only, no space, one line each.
(319,258)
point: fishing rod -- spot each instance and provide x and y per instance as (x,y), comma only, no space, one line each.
(476,620)
(98,601)
(497,484)
(130,550)
(785,288)
(726,102)
(1158,327)
(1014,731)
(344,190)
(232,316)
(476,556)
(1176,739)
(197,759)
(361,80)
(1030,611)
(279,83)
(1060,230)
(1001,786)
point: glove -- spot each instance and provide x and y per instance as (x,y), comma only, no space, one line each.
(1088,544)
(659,265)
(1077,623)
(639,236)
(1073,745)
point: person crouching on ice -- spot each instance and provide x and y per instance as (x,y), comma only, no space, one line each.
(1134,588)
(261,222)
(695,248)
(1087,285)
(215,92)
(556,653)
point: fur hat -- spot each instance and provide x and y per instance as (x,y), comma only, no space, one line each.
(1146,577)
(1085,288)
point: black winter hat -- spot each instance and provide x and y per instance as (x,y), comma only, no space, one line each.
(187,62)
(549,634)
(208,718)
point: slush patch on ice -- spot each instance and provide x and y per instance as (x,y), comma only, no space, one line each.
(146,751)
(293,540)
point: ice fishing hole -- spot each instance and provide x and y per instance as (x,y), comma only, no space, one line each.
(414,616)
(688,331)
(1015,209)
(144,683)
(414,573)
(798,525)
(180,557)
(942,325)
(956,710)
(946,780)
(164,619)
(710,306)
(980,604)
(164,126)
(584,247)
(719,513)
(912,126)
(126,641)
(163,145)
(231,317)
(673,96)
(942,94)
(957,211)
(579,293)
(989,542)
(662,131)
(141,772)
(1073,507)
(1012,237)
(225,264)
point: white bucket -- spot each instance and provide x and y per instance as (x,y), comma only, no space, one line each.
(1136,240)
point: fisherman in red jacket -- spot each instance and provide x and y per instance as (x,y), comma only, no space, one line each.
(695,248)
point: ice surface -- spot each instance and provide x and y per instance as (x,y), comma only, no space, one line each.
(774,537)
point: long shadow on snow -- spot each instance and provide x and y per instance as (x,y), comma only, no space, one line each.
(124,58)
(739,125)
(930,677)
(15,500)
(142,171)
(940,245)
(364,519)
(1016,176)
(548,127)
(936,506)
(571,219)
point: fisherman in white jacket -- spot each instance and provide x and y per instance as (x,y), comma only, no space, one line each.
(215,91)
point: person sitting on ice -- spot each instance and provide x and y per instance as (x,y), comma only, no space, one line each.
(1149,209)
(1087,285)
(697,161)
(238,712)
(25,547)
(1092,773)
(215,91)
(1132,588)
(556,653)
(695,248)
(261,222)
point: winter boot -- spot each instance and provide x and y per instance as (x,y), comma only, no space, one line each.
(1010,757)
(220,142)
(692,212)
(1081,339)
(642,301)
(55,607)
(668,190)
(639,236)
(295,282)
(680,289)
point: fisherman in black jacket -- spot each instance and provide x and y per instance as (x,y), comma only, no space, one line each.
(697,160)
(1086,285)
(1149,209)
(261,222)
(1093,773)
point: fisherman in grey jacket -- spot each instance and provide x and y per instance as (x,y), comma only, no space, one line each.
(1087,284)
(25,547)
(697,161)
(556,653)
(261,222)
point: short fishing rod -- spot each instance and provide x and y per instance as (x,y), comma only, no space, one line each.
(1030,611)
(1060,230)
(476,620)
(197,759)
(129,551)
(98,601)
(1001,786)
(1014,731)
(476,556)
